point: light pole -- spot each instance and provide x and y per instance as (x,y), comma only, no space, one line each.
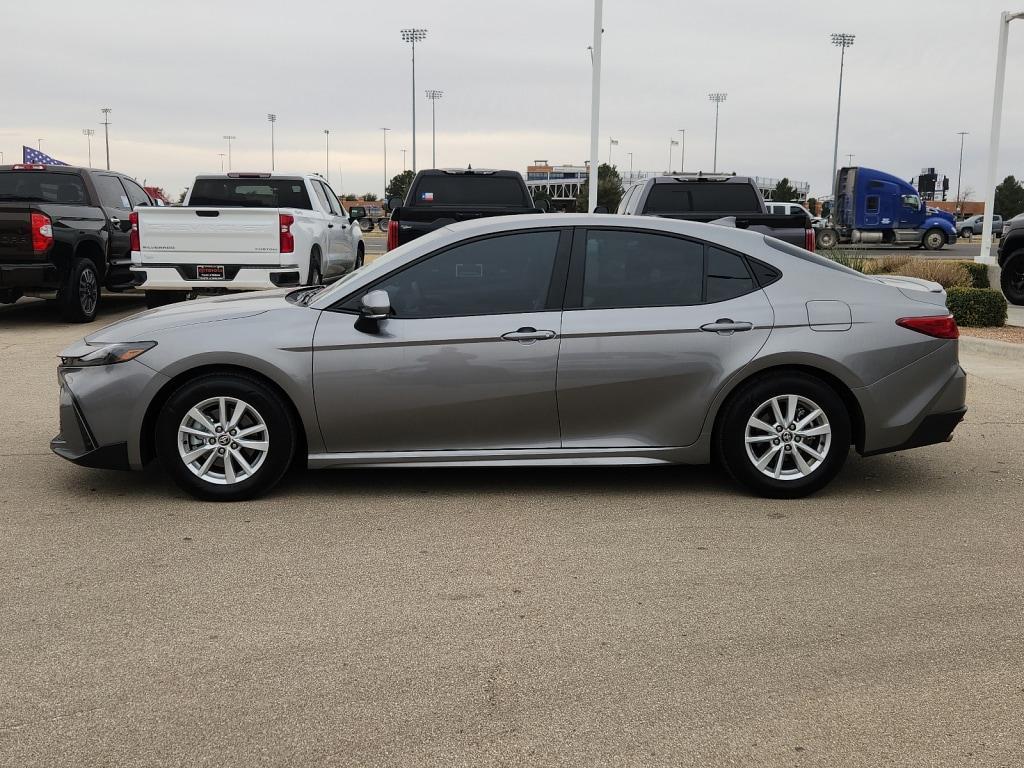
(221,155)
(630,165)
(385,132)
(229,139)
(844,41)
(849,159)
(327,168)
(413,35)
(273,119)
(718,98)
(595,104)
(403,159)
(611,143)
(106,131)
(89,133)
(433,96)
(959,172)
(40,144)
(682,150)
(671,143)
(993,143)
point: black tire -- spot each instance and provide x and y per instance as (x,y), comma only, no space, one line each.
(360,257)
(966,233)
(79,296)
(730,448)
(382,225)
(934,239)
(156,299)
(366,224)
(827,238)
(280,436)
(315,275)
(1011,279)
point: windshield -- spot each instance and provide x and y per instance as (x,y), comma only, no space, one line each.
(469,191)
(250,193)
(42,187)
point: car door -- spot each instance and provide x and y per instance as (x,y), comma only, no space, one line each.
(465,361)
(909,215)
(653,326)
(331,255)
(117,206)
(342,232)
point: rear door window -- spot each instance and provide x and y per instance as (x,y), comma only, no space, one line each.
(136,194)
(112,194)
(727,276)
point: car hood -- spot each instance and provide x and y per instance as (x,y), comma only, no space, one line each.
(142,326)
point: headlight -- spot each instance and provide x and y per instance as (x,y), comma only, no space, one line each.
(108,354)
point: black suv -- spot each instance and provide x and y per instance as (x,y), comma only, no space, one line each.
(65,230)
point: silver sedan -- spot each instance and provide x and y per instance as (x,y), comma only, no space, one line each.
(534,340)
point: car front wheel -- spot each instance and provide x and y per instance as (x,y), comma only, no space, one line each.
(784,436)
(225,437)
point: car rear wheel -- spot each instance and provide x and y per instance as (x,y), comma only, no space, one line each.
(966,232)
(783,436)
(934,239)
(1012,278)
(156,299)
(79,296)
(225,437)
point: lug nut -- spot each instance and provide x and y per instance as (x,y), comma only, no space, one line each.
(212,440)
(234,445)
(234,431)
(778,427)
(218,428)
(789,448)
(775,441)
(792,426)
(220,451)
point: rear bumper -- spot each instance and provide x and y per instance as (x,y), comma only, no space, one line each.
(241,278)
(934,428)
(44,275)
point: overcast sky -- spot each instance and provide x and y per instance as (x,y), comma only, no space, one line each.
(516,80)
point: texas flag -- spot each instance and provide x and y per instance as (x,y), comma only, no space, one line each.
(29,155)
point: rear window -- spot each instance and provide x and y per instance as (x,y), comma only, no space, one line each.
(800,253)
(42,187)
(250,193)
(470,191)
(702,197)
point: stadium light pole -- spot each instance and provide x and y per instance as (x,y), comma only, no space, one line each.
(106,131)
(229,139)
(849,158)
(595,104)
(413,35)
(327,168)
(671,143)
(39,144)
(385,132)
(89,133)
(718,98)
(611,143)
(984,256)
(272,118)
(960,170)
(403,159)
(630,165)
(221,156)
(682,150)
(433,96)
(843,41)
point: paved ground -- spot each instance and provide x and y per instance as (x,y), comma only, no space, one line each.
(652,617)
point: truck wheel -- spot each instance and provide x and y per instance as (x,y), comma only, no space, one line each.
(966,233)
(315,276)
(1012,278)
(382,225)
(934,239)
(366,224)
(156,299)
(827,238)
(79,296)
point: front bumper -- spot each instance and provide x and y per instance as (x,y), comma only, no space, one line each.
(166,277)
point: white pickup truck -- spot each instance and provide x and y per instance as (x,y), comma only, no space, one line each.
(244,232)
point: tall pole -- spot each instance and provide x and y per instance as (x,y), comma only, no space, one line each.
(327,167)
(959,172)
(630,165)
(433,96)
(40,144)
(385,132)
(273,119)
(984,256)
(718,98)
(413,35)
(89,133)
(106,131)
(221,154)
(595,104)
(671,143)
(682,150)
(844,41)
(403,159)
(229,140)
(849,159)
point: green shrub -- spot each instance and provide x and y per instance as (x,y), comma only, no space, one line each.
(978,272)
(846,258)
(982,307)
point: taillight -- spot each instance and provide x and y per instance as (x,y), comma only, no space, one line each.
(939,326)
(809,240)
(133,236)
(392,234)
(287,238)
(42,232)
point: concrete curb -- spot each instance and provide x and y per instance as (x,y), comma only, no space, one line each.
(1003,350)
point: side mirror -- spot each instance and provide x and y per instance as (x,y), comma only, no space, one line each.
(355,213)
(394,202)
(600,209)
(376,305)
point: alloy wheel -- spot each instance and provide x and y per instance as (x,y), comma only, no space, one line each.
(223,440)
(788,437)
(88,291)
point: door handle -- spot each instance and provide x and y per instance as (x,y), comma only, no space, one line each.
(726,327)
(115,221)
(330,226)
(528,334)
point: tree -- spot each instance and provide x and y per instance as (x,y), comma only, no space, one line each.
(181,197)
(784,192)
(370,197)
(609,189)
(1009,199)
(541,196)
(812,205)
(349,197)
(399,185)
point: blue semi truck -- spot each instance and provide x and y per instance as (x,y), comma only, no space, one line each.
(876,207)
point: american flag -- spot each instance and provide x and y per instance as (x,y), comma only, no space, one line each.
(29,155)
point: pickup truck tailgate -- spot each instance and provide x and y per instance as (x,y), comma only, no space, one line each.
(220,235)
(15,233)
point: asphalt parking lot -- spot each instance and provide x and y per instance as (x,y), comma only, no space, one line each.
(651,616)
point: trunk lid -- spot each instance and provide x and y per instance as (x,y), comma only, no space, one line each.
(915,288)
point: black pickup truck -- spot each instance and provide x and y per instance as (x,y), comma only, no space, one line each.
(1011,260)
(65,231)
(438,198)
(729,200)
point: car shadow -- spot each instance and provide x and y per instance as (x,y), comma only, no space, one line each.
(28,312)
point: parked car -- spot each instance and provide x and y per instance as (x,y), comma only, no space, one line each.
(725,199)
(876,207)
(1011,260)
(563,339)
(437,198)
(244,232)
(65,231)
(973,225)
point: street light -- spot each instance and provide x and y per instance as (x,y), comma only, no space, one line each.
(718,98)
(671,143)
(993,143)
(844,41)
(960,171)
(229,139)
(40,143)
(433,96)
(595,104)
(630,165)
(403,159)
(106,131)
(682,150)
(221,156)
(611,143)
(413,35)
(327,168)
(273,119)
(849,159)
(89,133)
(385,131)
